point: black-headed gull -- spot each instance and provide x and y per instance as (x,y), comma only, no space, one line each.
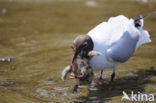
(117,40)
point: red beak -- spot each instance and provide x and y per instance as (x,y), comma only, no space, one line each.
(74,57)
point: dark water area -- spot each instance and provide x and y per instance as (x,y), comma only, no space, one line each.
(38,34)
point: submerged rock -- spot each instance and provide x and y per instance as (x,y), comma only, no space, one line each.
(6,59)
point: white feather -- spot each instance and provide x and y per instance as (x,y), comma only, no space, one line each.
(111,34)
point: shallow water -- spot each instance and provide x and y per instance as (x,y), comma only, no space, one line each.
(38,35)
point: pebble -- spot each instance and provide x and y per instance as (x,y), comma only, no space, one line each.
(6,59)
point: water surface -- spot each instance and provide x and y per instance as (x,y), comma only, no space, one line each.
(38,35)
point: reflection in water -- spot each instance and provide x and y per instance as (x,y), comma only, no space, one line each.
(38,35)
(126,83)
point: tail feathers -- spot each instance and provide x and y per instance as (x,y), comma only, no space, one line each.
(144,38)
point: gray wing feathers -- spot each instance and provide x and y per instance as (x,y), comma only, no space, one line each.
(123,49)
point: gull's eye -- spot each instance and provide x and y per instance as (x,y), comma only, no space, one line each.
(85,44)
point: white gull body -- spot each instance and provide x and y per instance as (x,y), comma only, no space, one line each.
(117,40)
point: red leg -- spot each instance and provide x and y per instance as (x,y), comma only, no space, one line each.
(113,74)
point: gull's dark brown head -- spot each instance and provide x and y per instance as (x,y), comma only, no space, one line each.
(82,45)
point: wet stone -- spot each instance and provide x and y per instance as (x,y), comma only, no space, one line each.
(6,59)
